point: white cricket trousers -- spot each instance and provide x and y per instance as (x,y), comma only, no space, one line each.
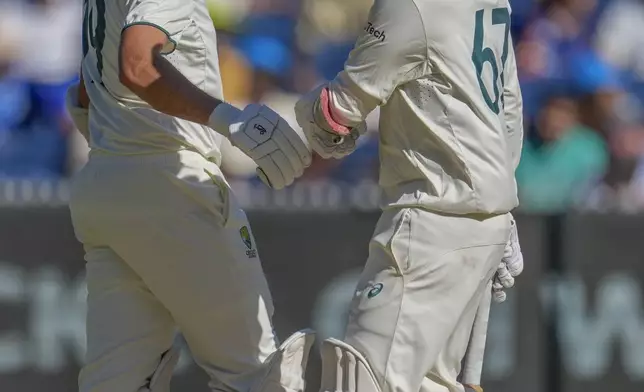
(167,247)
(418,295)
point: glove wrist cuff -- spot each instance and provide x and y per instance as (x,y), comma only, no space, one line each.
(322,115)
(223,117)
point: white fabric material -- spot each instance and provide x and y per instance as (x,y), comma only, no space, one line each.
(281,152)
(120,122)
(80,115)
(173,16)
(160,381)
(344,369)
(323,140)
(167,246)
(417,298)
(442,145)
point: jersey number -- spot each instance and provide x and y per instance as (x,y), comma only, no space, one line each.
(94,31)
(482,55)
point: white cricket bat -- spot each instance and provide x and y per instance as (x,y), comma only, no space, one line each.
(473,361)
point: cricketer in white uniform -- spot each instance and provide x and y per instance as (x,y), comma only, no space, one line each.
(445,78)
(166,244)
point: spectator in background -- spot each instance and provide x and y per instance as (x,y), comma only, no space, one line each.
(235,70)
(619,39)
(14,105)
(561,160)
(330,22)
(561,27)
(227,14)
(50,58)
(607,107)
(46,37)
(13,92)
(522,12)
(286,8)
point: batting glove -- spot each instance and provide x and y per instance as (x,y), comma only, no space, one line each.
(511,266)
(281,153)
(79,115)
(327,137)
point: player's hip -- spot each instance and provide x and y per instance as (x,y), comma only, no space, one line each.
(145,187)
(153,148)
(105,159)
(443,194)
(415,237)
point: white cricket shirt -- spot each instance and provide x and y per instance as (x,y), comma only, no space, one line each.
(122,123)
(445,76)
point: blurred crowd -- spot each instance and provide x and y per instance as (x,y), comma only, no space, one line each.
(581,65)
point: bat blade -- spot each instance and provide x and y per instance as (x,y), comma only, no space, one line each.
(473,361)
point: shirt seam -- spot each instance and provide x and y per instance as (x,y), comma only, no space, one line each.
(166,32)
(424,63)
(422,23)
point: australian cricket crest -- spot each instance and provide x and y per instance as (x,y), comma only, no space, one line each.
(248,241)
(375,290)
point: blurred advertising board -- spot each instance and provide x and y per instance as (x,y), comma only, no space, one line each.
(573,323)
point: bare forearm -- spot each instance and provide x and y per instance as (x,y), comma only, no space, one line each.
(172,93)
(164,88)
(148,74)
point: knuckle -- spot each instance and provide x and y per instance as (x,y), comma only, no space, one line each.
(269,113)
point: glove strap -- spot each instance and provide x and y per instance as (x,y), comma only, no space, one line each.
(223,117)
(322,115)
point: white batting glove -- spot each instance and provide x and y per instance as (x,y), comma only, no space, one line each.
(511,266)
(281,153)
(79,115)
(327,137)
